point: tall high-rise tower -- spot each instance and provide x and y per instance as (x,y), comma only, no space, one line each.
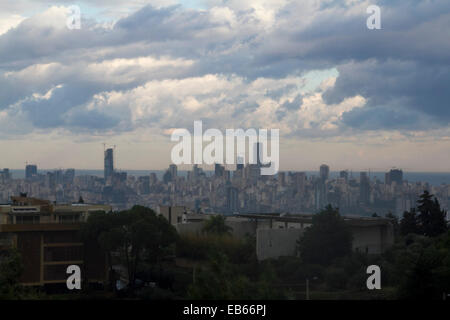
(30,171)
(173,171)
(395,175)
(324,172)
(109,163)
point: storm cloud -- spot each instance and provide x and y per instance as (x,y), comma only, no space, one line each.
(310,68)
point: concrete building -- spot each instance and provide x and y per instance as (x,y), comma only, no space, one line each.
(277,235)
(174,214)
(47,236)
(275,239)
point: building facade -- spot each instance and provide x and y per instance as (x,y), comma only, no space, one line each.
(48,239)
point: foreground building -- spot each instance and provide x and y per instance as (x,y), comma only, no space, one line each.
(277,234)
(47,236)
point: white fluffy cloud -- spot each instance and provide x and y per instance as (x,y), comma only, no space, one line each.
(310,68)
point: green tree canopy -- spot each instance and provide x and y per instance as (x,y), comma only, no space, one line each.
(409,222)
(138,235)
(326,239)
(217,225)
(221,280)
(428,219)
(11,268)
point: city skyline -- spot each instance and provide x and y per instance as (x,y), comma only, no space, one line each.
(191,150)
(243,189)
(120,159)
(233,64)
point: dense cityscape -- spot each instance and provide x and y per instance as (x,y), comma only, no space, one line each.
(255,155)
(242,190)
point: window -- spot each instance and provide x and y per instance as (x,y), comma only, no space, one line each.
(27,219)
(71,253)
(72,218)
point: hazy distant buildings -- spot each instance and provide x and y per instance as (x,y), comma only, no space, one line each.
(219,170)
(144,185)
(344,175)
(281,177)
(364,188)
(153,178)
(232,199)
(5,175)
(252,173)
(167,177)
(69,176)
(247,191)
(300,182)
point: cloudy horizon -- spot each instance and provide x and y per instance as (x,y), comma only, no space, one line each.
(340,94)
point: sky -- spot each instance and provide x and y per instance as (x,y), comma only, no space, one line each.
(339,93)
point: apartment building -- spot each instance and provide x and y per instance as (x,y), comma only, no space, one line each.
(48,238)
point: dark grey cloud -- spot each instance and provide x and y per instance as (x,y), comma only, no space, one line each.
(403,70)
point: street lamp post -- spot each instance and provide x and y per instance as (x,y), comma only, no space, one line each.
(307,287)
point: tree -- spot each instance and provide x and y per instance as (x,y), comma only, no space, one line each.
(326,239)
(423,267)
(11,268)
(430,219)
(221,280)
(217,225)
(409,222)
(100,227)
(138,235)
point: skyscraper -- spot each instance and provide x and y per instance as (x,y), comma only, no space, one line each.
(219,170)
(109,163)
(232,199)
(394,175)
(173,171)
(30,171)
(344,175)
(324,172)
